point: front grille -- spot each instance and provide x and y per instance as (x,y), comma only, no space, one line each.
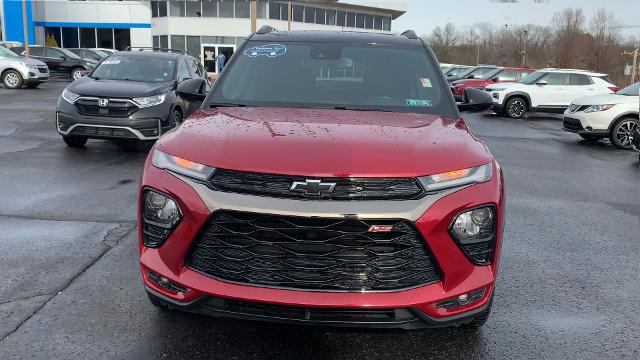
(312,253)
(572,124)
(283,312)
(43,69)
(103,131)
(275,185)
(115,107)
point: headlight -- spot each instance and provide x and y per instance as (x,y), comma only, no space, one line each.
(596,108)
(69,96)
(148,101)
(475,232)
(181,166)
(160,214)
(457,178)
(29,66)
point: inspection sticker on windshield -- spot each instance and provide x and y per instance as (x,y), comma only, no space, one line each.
(112,60)
(417,102)
(425,82)
(270,50)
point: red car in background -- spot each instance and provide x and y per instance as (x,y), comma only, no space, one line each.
(506,74)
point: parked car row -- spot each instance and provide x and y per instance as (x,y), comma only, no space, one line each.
(60,61)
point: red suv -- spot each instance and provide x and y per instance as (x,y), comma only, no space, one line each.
(317,186)
(507,74)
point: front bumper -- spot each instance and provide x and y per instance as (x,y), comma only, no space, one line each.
(34,76)
(417,307)
(143,124)
(587,123)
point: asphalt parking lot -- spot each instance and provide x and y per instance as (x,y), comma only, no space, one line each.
(568,285)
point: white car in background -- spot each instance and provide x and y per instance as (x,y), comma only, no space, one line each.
(600,116)
(547,90)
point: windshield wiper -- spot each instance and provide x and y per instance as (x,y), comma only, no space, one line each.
(226,105)
(360,109)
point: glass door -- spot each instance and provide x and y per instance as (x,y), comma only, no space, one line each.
(215,56)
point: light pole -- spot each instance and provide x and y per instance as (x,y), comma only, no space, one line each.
(524,47)
(25,28)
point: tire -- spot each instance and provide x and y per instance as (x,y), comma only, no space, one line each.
(590,137)
(480,319)
(622,131)
(516,107)
(176,117)
(75,141)
(12,79)
(76,73)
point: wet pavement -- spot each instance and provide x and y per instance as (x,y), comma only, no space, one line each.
(71,289)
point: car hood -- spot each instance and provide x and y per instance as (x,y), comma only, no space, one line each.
(87,86)
(329,143)
(604,99)
(30,61)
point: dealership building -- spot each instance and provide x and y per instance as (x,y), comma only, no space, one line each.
(202,27)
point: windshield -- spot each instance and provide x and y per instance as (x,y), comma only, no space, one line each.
(531,78)
(4,52)
(333,75)
(457,71)
(134,68)
(69,53)
(492,74)
(631,90)
(480,73)
(101,54)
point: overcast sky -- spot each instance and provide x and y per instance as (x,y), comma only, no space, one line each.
(423,15)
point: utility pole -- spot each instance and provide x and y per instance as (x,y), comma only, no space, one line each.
(634,67)
(25,28)
(253,10)
(289,16)
(524,47)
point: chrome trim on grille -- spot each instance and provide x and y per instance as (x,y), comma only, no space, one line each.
(135,132)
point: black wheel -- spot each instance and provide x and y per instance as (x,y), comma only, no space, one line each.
(33,85)
(12,79)
(590,137)
(480,319)
(516,107)
(75,141)
(622,132)
(176,117)
(76,73)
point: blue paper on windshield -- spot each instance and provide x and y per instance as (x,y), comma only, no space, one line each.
(270,50)
(418,102)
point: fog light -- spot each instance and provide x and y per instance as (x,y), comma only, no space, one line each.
(165,283)
(160,215)
(475,231)
(463,299)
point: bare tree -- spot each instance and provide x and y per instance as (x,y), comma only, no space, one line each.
(605,31)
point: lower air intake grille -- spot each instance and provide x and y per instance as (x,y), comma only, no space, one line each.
(312,253)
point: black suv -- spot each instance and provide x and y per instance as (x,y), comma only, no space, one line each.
(472,72)
(131,95)
(60,61)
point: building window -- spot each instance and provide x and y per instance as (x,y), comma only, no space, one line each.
(156,41)
(209,8)
(122,38)
(176,8)
(309,15)
(341,18)
(320,16)
(70,37)
(297,13)
(164,41)
(178,42)
(377,22)
(274,11)
(360,21)
(87,37)
(351,19)
(154,9)
(368,21)
(193,46)
(386,23)
(194,8)
(242,9)
(226,9)
(331,17)
(52,36)
(261,10)
(162,8)
(105,38)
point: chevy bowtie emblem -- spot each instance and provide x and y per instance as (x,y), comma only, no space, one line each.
(103,102)
(312,187)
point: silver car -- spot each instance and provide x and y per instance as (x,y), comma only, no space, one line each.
(16,70)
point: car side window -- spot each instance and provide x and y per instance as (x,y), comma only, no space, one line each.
(555,78)
(193,68)
(508,75)
(35,51)
(54,53)
(183,71)
(579,79)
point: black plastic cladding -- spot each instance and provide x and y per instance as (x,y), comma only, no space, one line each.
(309,253)
(477,252)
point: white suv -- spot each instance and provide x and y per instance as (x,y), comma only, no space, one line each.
(547,90)
(612,115)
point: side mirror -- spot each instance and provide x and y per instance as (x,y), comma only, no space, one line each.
(471,77)
(542,82)
(475,100)
(495,79)
(192,89)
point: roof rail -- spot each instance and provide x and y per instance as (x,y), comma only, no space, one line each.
(410,34)
(149,48)
(266,29)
